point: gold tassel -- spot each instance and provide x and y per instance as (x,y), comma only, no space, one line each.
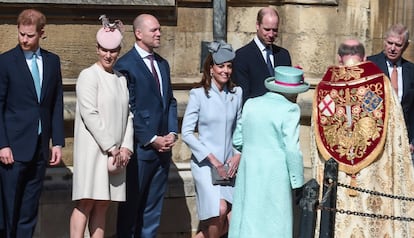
(353,192)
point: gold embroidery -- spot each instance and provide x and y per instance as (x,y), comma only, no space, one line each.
(346,73)
(357,120)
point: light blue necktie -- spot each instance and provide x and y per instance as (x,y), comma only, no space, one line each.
(36,75)
(269,62)
(36,79)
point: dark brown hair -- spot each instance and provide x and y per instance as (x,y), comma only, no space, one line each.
(206,78)
(345,49)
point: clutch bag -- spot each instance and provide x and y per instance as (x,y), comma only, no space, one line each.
(216,179)
(113,169)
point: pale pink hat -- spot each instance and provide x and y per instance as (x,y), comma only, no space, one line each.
(109,38)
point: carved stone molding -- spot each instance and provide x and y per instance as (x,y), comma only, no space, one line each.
(100,2)
(280,2)
(88,12)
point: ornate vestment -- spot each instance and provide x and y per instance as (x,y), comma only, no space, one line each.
(358,121)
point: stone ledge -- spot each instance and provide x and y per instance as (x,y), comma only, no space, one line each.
(69,12)
(56,203)
(179,216)
(69,101)
(180,180)
(101,2)
(304,100)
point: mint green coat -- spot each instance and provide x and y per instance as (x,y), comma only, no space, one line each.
(271,166)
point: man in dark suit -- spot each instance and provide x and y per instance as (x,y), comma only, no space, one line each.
(256,61)
(31,113)
(155,131)
(395,43)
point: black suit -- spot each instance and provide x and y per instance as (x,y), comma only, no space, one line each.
(20,111)
(407,101)
(250,68)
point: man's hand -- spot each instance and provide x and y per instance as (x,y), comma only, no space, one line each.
(56,156)
(6,156)
(164,143)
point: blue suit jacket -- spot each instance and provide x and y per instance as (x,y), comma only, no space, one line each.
(407,101)
(250,69)
(20,109)
(153,114)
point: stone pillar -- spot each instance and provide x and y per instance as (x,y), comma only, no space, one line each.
(219,20)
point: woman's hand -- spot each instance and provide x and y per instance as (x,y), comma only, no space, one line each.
(233,164)
(125,156)
(218,165)
(115,153)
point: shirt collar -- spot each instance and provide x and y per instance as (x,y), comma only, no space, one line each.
(390,64)
(259,44)
(143,53)
(29,54)
(215,88)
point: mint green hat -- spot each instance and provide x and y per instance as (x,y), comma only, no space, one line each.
(287,79)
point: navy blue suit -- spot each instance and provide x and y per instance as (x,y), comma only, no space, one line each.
(147,172)
(20,112)
(250,68)
(407,101)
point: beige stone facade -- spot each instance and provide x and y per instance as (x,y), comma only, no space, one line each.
(310,29)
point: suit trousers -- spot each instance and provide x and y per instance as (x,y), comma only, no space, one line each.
(21,184)
(2,229)
(147,182)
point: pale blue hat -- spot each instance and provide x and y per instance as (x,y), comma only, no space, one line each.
(221,52)
(287,79)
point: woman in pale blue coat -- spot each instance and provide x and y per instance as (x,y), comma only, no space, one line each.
(271,165)
(213,108)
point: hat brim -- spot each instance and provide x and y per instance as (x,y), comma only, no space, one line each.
(271,85)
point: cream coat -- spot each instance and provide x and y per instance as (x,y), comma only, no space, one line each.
(103,120)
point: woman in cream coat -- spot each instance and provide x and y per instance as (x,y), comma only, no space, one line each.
(214,109)
(103,138)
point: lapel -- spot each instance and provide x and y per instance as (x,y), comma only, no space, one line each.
(164,73)
(148,74)
(407,74)
(256,53)
(164,78)
(46,73)
(382,64)
(23,69)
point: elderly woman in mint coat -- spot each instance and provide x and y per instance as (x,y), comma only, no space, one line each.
(271,165)
(213,108)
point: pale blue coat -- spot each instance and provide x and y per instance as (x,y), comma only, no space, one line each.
(270,167)
(215,117)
